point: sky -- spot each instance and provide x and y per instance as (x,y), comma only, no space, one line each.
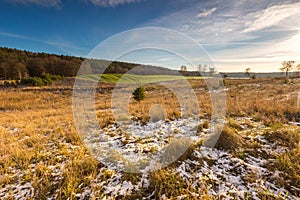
(234,35)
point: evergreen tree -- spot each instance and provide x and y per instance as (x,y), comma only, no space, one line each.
(139,94)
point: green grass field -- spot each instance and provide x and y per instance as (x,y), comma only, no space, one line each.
(132,78)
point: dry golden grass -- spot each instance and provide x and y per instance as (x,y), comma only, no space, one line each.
(37,131)
(229,139)
(267,100)
(289,161)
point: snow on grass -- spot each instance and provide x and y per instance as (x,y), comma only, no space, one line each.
(225,174)
(227,177)
(136,142)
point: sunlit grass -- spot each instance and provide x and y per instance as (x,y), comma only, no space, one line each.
(39,143)
(133,79)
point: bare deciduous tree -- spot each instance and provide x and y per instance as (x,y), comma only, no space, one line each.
(298,69)
(212,70)
(202,68)
(247,71)
(183,68)
(287,66)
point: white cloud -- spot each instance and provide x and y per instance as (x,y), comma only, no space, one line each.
(260,57)
(112,3)
(223,26)
(235,36)
(46,3)
(272,16)
(207,12)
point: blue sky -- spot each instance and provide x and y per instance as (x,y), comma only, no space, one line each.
(235,34)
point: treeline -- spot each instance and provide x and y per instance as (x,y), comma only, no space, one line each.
(18,64)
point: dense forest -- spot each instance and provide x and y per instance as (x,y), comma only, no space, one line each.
(18,64)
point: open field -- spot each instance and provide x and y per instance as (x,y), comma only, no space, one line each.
(256,157)
(133,79)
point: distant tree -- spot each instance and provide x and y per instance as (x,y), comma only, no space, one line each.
(202,68)
(247,72)
(139,94)
(183,68)
(199,68)
(39,63)
(66,68)
(287,66)
(298,69)
(36,67)
(212,70)
(4,67)
(86,68)
(20,71)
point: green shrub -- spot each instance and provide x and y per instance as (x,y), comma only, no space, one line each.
(14,84)
(55,77)
(27,80)
(37,81)
(6,84)
(10,84)
(44,79)
(139,94)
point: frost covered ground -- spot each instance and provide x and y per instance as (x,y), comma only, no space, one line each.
(225,174)
(141,144)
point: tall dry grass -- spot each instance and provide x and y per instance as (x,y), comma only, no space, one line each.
(38,136)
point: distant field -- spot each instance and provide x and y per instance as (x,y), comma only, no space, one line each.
(132,78)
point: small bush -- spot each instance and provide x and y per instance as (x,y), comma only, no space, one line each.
(6,84)
(44,79)
(14,84)
(10,84)
(37,81)
(139,94)
(27,80)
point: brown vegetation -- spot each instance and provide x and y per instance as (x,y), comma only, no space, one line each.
(37,131)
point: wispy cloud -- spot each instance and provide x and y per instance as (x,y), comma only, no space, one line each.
(111,3)
(17,36)
(45,3)
(272,16)
(68,48)
(206,13)
(62,45)
(263,33)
